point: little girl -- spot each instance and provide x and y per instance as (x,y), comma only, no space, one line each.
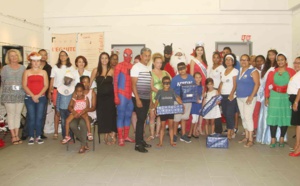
(215,112)
(76,106)
(196,107)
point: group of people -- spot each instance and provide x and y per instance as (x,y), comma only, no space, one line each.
(261,90)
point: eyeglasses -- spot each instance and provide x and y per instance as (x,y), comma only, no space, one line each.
(166,83)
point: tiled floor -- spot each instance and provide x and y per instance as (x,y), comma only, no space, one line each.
(187,164)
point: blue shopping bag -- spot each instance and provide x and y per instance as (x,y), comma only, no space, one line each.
(171,109)
(217,141)
(188,93)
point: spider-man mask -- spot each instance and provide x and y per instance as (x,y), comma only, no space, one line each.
(127,55)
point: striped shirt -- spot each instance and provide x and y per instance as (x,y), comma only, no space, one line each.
(143,75)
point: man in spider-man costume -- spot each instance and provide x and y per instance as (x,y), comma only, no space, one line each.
(123,91)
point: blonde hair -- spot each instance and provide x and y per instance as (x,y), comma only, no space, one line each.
(157,56)
(13,50)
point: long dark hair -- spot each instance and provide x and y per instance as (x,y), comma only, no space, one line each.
(268,63)
(59,62)
(203,57)
(99,69)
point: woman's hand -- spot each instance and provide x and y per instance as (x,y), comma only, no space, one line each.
(249,100)
(230,97)
(295,107)
(35,98)
(266,102)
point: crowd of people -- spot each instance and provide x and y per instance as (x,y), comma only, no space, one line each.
(263,91)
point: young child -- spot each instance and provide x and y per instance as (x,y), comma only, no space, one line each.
(76,106)
(196,107)
(64,96)
(166,97)
(215,112)
(182,79)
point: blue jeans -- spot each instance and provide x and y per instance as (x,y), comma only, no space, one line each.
(64,114)
(35,113)
(229,110)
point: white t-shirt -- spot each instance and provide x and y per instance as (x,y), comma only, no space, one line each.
(143,85)
(294,84)
(228,81)
(215,74)
(59,73)
(85,73)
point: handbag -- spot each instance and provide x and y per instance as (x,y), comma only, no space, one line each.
(188,93)
(171,109)
(217,141)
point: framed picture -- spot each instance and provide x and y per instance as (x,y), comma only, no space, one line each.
(7,48)
(136,49)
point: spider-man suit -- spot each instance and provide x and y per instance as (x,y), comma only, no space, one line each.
(123,91)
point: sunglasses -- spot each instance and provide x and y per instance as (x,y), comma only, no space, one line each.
(181,68)
(166,83)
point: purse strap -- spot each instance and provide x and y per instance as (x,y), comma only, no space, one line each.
(104,77)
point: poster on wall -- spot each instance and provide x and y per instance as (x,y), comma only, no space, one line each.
(90,45)
(63,42)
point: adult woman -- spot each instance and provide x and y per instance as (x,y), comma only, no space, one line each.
(276,98)
(35,84)
(263,132)
(198,63)
(156,84)
(78,125)
(114,60)
(12,92)
(227,89)
(106,109)
(294,92)
(247,87)
(81,62)
(58,72)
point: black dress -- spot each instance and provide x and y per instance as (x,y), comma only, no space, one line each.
(106,109)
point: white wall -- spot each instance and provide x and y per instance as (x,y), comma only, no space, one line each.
(182,23)
(296,31)
(14,31)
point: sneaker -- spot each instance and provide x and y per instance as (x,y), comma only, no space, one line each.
(225,131)
(39,140)
(31,141)
(185,138)
(43,136)
(174,138)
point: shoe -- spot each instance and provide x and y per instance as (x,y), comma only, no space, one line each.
(236,130)
(185,139)
(174,138)
(24,138)
(145,144)
(43,136)
(273,145)
(245,140)
(39,140)
(225,131)
(140,148)
(249,144)
(294,154)
(128,139)
(121,142)
(31,141)
(66,139)
(281,145)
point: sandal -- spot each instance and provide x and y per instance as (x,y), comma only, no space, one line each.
(55,136)
(159,145)
(113,139)
(66,139)
(82,150)
(249,144)
(14,142)
(173,144)
(245,140)
(90,136)
(150,138)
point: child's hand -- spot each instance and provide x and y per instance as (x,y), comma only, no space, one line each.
(218,102)
(199,101)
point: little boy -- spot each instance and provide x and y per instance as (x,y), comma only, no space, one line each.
(182,79)
(166,97)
